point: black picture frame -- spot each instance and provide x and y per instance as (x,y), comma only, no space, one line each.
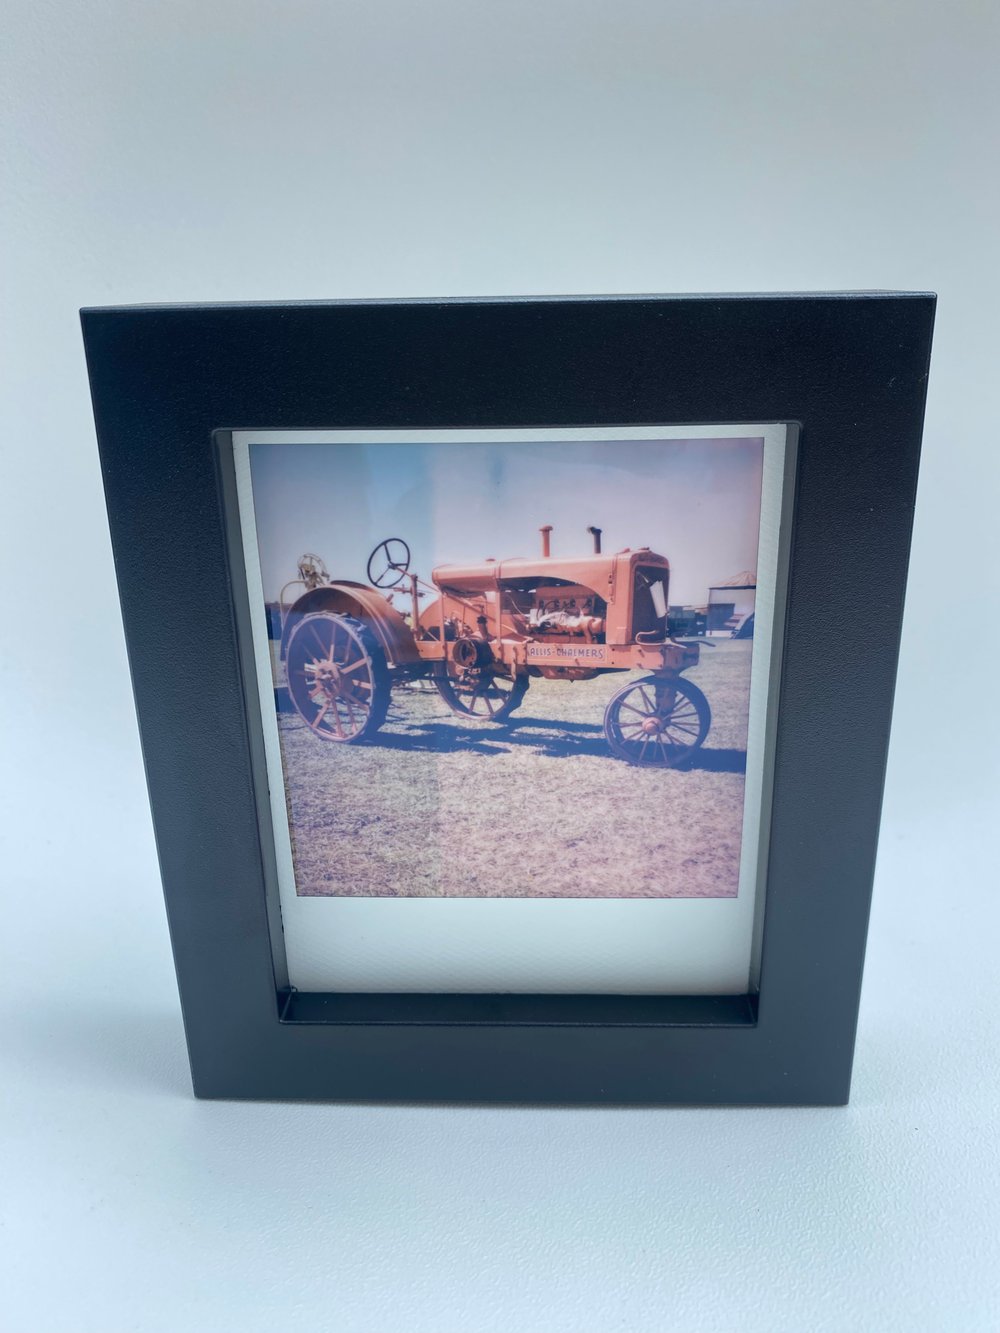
(849,368)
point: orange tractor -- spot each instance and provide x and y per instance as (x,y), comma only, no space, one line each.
(490,628)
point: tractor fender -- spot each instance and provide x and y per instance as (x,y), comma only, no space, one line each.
(394,635)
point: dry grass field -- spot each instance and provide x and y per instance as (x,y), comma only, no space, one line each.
(436,806)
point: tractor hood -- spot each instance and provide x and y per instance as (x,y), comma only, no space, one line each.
(591,571)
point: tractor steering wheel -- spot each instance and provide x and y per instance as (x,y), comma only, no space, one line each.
(391,557)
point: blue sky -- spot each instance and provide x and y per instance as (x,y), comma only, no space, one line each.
(695,501)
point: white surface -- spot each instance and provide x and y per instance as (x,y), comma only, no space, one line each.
(693,946)
(219,151)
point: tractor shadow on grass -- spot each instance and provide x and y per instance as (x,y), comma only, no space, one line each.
(560,740)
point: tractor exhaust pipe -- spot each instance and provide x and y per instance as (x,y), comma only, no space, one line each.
(546,540)
(596,534)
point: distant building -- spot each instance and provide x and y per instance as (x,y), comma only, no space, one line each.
(688,622)
(731,605)
(273,613)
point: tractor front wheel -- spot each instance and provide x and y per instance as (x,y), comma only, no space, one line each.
(659,722)
(480,695)
(337,677)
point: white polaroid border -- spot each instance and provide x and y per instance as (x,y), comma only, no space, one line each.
(681,946)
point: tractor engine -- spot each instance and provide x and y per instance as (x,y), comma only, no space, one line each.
(567,609)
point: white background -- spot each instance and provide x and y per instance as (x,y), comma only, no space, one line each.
(209,151)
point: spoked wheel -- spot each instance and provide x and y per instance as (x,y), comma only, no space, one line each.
(337,677)
(481,695)
(659,721)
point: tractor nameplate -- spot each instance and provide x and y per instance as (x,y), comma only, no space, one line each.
(592,654)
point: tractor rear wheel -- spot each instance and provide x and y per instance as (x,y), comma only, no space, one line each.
(479,694)
(659,722)
(337,677)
